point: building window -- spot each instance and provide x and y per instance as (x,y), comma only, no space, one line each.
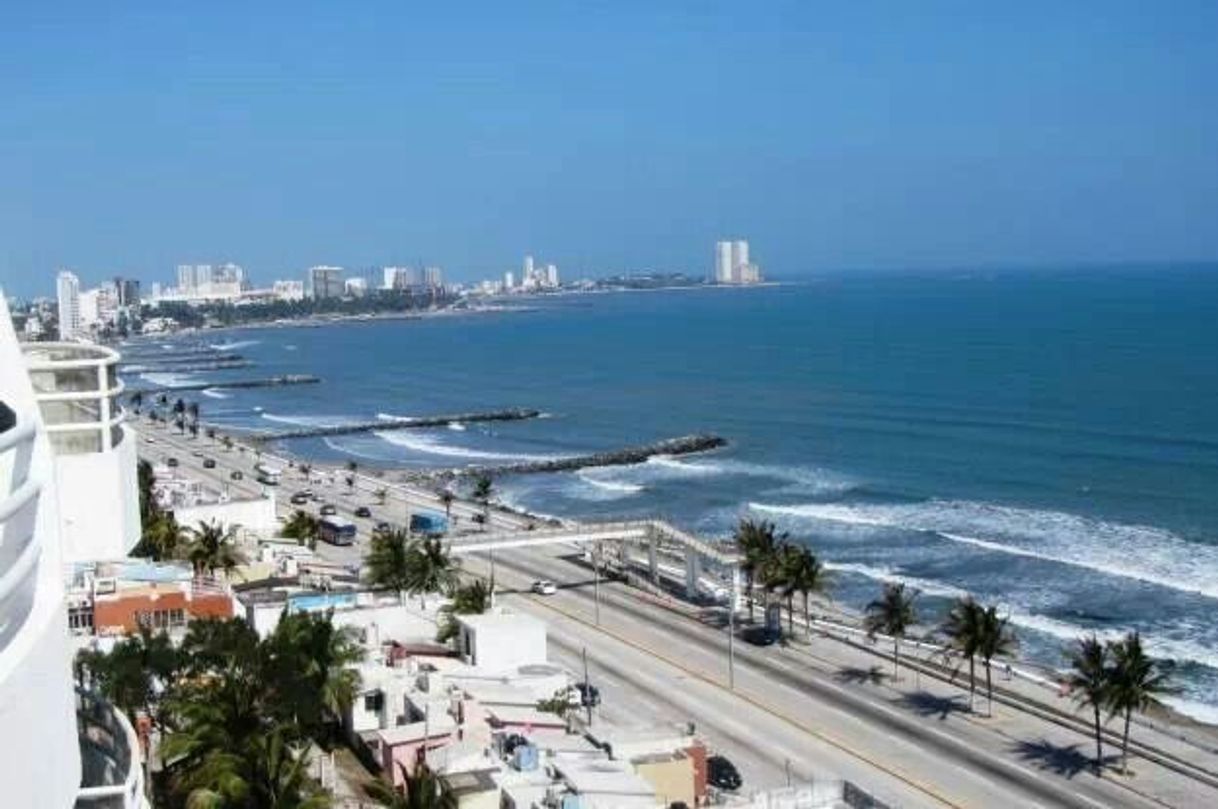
(374,702)
(80,619)
(161,619)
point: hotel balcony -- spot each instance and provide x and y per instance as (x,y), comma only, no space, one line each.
(77,389)
(39,750)
(112,770)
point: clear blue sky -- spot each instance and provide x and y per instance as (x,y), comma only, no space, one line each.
(603,137)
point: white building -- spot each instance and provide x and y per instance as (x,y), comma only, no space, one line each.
(551,276)
(51,740)
(732,265)
(67,287)
(433,277)
(501,641)
(509,281)
(325,282)
(288,290)
(389,277)
(355,287)
(186,279)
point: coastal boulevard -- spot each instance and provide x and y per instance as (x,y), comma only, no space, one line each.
(821,709)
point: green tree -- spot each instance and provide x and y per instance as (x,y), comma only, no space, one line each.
(892,614)
(303,527)
(212,548)
(431,568)
(227,441)
(388,562)
(311,664)
(423,791)
(804,574)
(962,627)
(995,637)
(133,674)
(758,544)
(468,599)
(562,704)
(1090,682)
(1135,683)
(381,494)
(446,499)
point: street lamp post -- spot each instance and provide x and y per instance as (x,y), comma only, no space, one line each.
(596,581)
(731,634)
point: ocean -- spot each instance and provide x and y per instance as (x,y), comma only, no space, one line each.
(1045,440)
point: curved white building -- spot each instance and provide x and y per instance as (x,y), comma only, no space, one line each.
(41,744)
(77,389)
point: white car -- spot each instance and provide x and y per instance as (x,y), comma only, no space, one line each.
(544,587)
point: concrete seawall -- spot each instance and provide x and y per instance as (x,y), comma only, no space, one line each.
(683,445)
(268,382)
(517,414)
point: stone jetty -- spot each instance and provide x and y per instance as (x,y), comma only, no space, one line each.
(683,445)
(268,382)
(407,423)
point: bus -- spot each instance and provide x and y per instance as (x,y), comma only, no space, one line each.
(336,530)
(268,475)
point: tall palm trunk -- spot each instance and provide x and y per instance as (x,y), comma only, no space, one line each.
(989,691)
(1099,743)
(748,576)
(896,655)
(807,619)
(791,614)
(972,681)
(1125,742)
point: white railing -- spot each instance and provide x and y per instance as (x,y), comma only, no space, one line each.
(78,391)
(110,755)
(19,548)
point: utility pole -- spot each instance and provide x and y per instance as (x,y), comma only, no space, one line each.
(596,580)
(586,697)
(731,634)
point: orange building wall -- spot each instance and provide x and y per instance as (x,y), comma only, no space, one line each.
(118,613)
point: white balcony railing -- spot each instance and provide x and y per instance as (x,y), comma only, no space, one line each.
(78,390)
(112,772)
(18,519)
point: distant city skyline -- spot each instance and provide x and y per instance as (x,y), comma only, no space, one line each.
(623,138)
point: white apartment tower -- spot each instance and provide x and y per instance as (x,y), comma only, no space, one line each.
(59,410)
(732,265)
(723,263)
(67,287)
(740,259)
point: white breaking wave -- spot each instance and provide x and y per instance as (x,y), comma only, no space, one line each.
(306,421)
(214,394)
(456,425)
(167,379)
(1145,553)
(431,445)
(233,345)
(609,485)
(1066,631)
(809,480)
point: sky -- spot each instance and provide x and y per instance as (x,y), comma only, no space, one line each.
(603,137)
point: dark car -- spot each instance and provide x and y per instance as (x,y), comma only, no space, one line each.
(299,499)
(760,635)
(589,695)
(236,474)
(328,510)
(363,511)
(171,461)
(722,773)
(208,463)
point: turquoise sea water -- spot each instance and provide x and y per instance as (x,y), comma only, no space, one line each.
(1048,441)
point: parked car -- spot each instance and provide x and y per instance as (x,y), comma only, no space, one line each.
(299,499)
(363,511)
(208,463)
(722,773)
(328,510)
(171,462)
(236,474)
(544,587)
(761,635)
(197,453)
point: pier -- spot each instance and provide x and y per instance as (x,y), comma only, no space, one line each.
(268,382)
(186,368)
(130,361)
(684,445)
(515,414)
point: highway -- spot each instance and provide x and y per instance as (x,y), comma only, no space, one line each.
(815,711)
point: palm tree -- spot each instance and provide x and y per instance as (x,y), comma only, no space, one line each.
(311,665)
(431,569)
(301,526)
(446,498)
(1091,682)
(381,494)
(468,599)
(213,547)
(962,627)
(1136,682)
(134,672)
(305,469)
(227,441)
(193,427)
(423,791)
(994,637)
(388,561)
(162,538)
(210,432)
(483,488)
(892,614)
(803,573)
(192,410)
(758,544)
(137,401)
